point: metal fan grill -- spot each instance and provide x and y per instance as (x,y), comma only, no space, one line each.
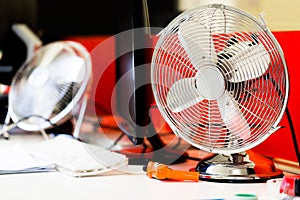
(48,86)
(220,80)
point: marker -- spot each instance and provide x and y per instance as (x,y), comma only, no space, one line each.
(245,197)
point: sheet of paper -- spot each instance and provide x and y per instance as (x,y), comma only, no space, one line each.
(17,160)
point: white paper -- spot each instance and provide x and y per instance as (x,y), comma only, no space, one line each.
(17,160)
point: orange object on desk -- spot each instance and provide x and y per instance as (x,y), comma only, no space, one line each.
(162,172)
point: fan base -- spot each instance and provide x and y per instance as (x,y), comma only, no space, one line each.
(239,178)
(222,168)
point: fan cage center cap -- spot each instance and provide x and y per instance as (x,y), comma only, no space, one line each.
(210,83)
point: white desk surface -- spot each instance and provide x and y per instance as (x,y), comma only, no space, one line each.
(56,185)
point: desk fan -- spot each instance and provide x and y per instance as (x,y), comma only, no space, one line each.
(48,87)
(220,80)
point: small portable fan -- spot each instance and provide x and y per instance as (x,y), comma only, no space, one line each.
(220,80)
(48,86)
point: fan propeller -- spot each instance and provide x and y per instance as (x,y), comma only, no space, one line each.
(220,79)
(236,63)
(48,87)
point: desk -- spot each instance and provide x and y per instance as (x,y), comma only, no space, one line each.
(56,185)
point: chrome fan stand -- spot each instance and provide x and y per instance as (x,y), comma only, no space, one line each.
(7,127)
(233,168)
(80,117)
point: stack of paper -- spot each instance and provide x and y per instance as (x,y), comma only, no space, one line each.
(78,158)
(17,160)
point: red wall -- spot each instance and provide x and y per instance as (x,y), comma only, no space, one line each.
(102,51)
(278,144)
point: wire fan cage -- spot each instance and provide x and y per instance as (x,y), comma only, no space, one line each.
(49,85)
(219,78)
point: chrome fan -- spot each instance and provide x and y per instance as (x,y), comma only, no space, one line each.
(48,86)
(220,80)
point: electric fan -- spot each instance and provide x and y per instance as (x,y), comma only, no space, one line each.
(220,80)
(48,87)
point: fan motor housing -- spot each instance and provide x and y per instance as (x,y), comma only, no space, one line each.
(210,83)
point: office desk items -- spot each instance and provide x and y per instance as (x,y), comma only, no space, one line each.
(77,158)
(290,185)
(48,87)
(220,80)
(58,185)
(163,172)
(15,159)
(245,197)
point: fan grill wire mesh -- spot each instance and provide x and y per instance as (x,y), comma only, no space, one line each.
(49,85)
(260,100)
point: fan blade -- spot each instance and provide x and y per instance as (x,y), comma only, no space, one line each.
(232,116)
(198,43)
(244,61)
(37,100)
(47,55)
(183,94)
(68,69)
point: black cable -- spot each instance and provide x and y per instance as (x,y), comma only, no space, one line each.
(175,146)
(294,137)
(117,141)
(46,120)
(192,158)
(289,118)
(144,145)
